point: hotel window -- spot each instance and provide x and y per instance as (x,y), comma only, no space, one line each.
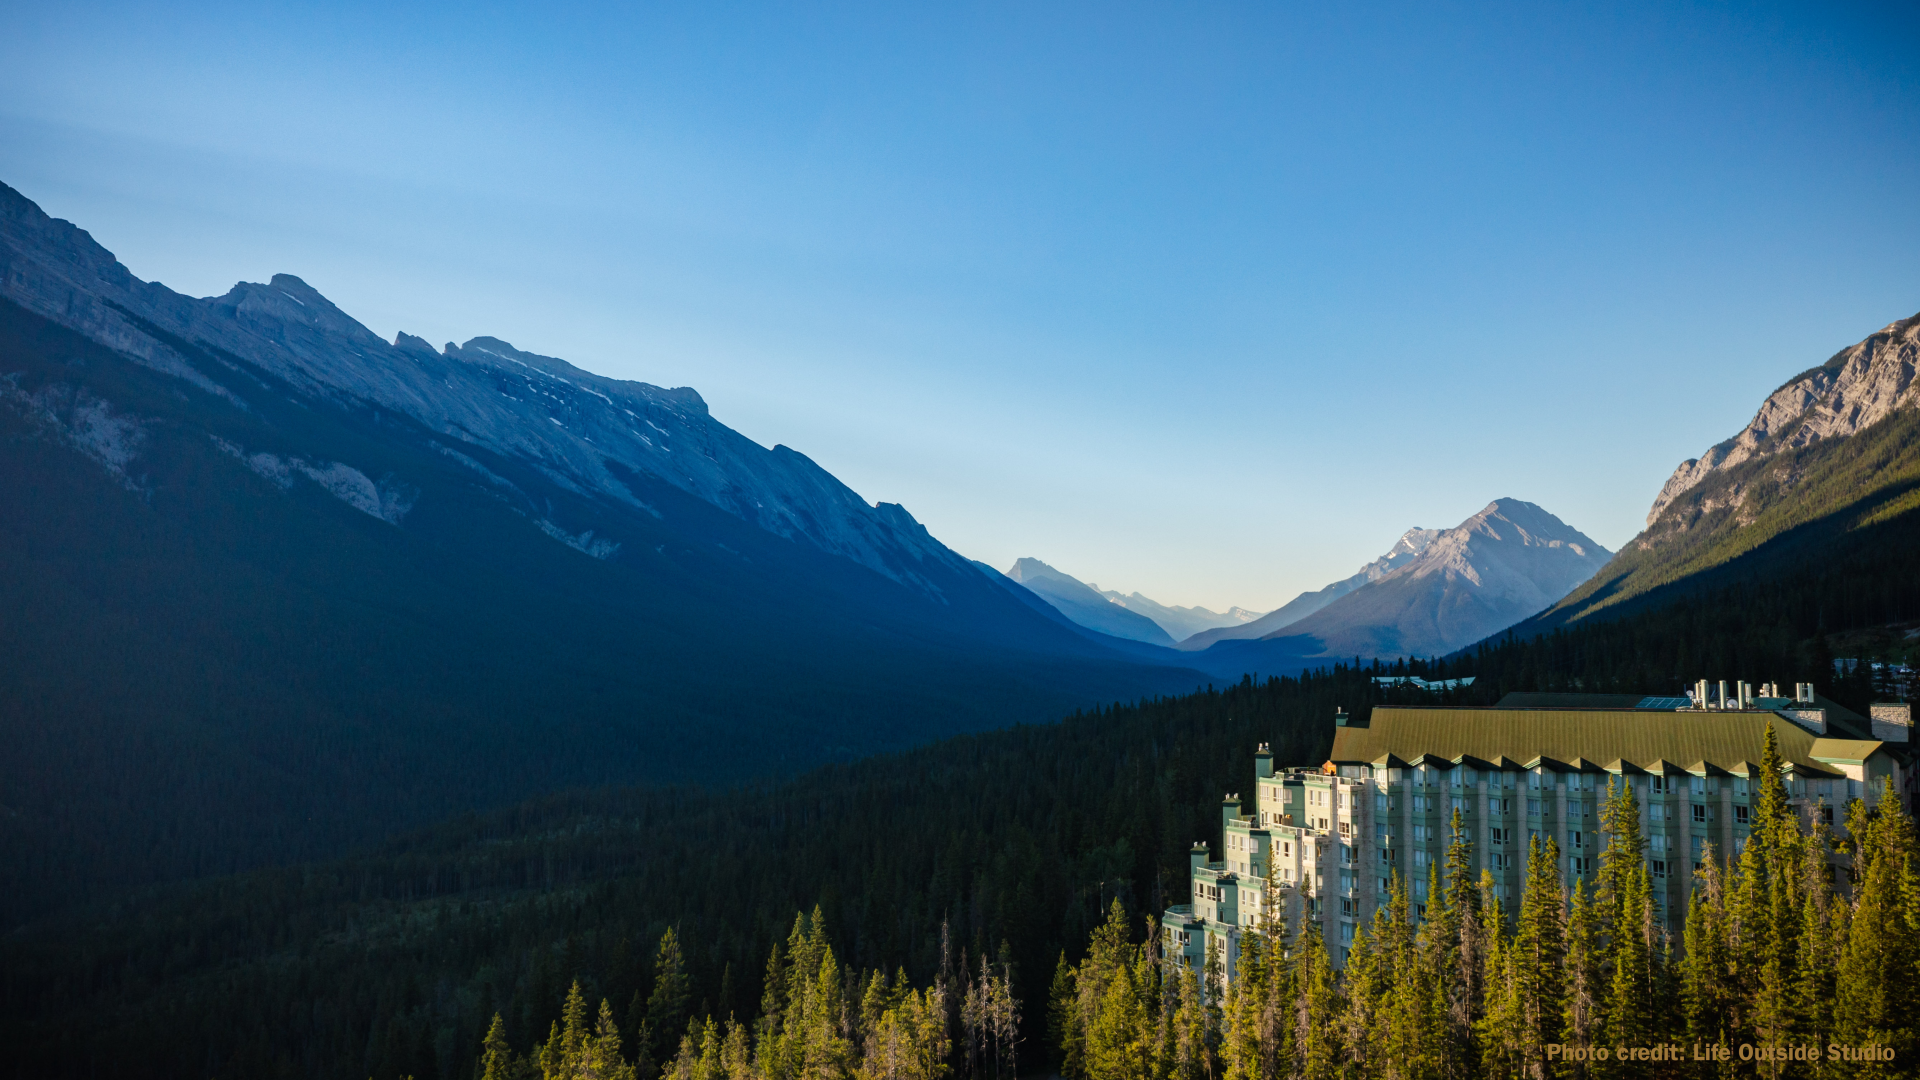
(1576,839)
(1380,803)
(1386,886)
(1699,813)
(1583,866)
(1659,867)
(1533,807)
(1739,815)
(1826,815)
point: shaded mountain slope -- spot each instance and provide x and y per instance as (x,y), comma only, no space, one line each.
(251,617)
(583,430)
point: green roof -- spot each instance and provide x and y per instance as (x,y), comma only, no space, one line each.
(1589,739)
(1527,699)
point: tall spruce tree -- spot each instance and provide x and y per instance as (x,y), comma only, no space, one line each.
(1877,970)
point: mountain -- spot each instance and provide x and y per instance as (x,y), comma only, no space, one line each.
(275,587)
(1823,480)
(1078,601)
(1178,622)
(1404,551)
(1510,560)
(1857,387)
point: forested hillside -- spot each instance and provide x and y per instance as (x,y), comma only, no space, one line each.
(393,963)
(211,660)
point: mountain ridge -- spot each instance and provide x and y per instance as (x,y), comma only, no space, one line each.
(485,391)
(249,593)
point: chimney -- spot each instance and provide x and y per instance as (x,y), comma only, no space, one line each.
(1263,762)
(1892,721)
(1700,694)
(1197,859)
(1339,716)
(1803,693)
(1229,809)
(1723,693)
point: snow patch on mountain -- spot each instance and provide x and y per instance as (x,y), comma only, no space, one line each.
(389,500)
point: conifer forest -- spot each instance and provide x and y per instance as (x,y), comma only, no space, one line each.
(1797,960)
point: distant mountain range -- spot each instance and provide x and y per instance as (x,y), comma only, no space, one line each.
(1180,623)
(274,586)
(1404,551)
(1434,592)
(1079,602)
(1130,616)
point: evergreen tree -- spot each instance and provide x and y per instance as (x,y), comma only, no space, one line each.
(1584,1009)
(496,1057)
(1877,971)
(1063,1022)
(1317,1007)
(667,1005)
(1705,966)
(1536,964)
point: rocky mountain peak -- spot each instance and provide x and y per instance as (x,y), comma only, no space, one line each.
(1858,387)
(583,430)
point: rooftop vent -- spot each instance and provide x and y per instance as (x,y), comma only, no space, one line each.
(1892,721)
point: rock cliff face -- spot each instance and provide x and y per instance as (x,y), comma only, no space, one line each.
(581,429)
(1858,387)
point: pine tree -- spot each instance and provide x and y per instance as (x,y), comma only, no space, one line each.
(1463,976)
(1063,1022)
(496,1057)
(1768,916)
(1584,1011)
(667,1005)
(1536,963)
(1317,1007)
(1704,969)
(1877,969)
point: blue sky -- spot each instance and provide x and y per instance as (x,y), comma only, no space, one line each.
(1210,301)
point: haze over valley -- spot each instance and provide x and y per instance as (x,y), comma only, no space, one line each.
(643,542)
